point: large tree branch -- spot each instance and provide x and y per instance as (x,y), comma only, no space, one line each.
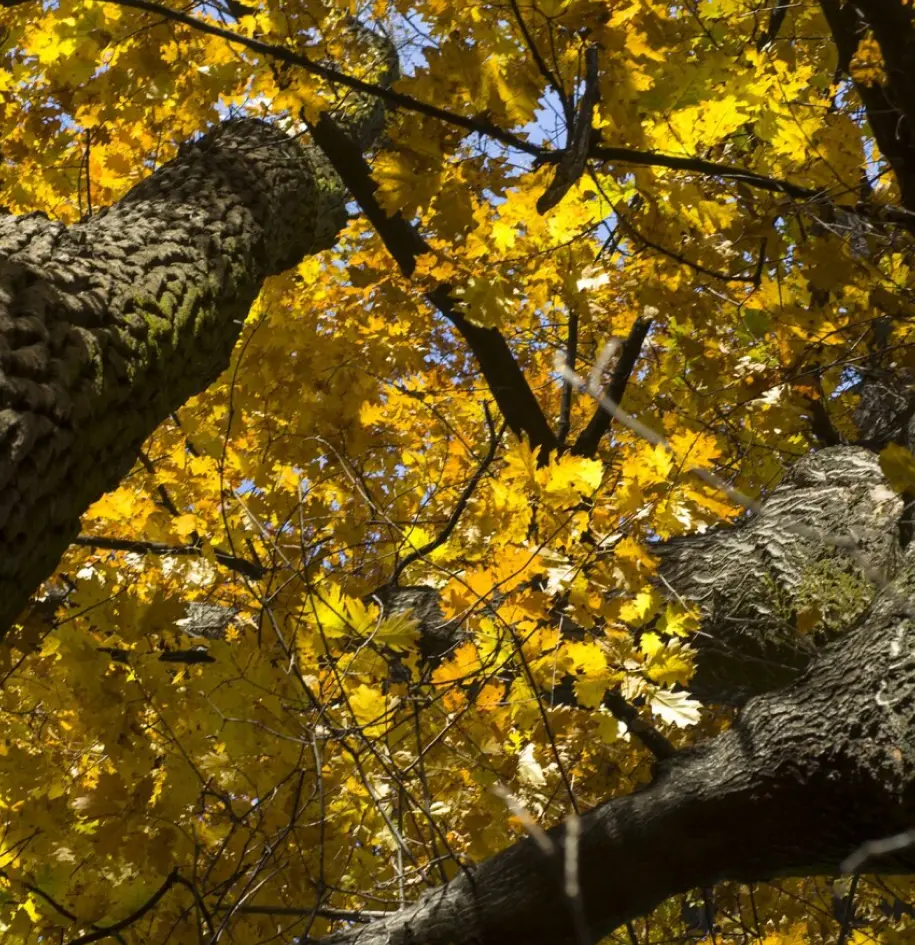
(805,777)
(770,593)
(890,104)
(502,372)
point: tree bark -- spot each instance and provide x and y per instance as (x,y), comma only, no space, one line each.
(109,325)
(805,776)
(890,103)
(774,589)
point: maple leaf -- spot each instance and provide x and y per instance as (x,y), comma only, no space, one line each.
(898,465)
(675,708)
(351,423)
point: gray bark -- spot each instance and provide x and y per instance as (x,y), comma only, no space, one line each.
(771,594)
(109,325)
(805,776)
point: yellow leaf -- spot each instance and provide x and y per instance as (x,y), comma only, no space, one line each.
(31,908)
(400,632)
(590,690)
(676,708)
(287,478)
(462,667)
(407,181)
(669,664)
(503,235)
(898,465)
(609,728)
(570,477)
(678,621)
(369,708)
(484,301)
(123,505)
(340,616)
(694,449)
(521,463)
(185,525)
(651,644)
(641,608)
(630,552)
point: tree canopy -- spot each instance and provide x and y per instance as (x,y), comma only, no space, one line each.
(426,424)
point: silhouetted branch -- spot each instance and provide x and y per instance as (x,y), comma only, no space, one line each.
(110,931)
(565,409)
(505,378)
(599,424)
(473,125)
(241,565)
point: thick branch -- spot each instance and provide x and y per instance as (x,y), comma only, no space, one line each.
(599,424)
(502,372)
(572,164)
(890,105)
(769,595)
(805,777)
(108,326)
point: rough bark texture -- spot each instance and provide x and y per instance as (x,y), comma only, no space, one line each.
(809,772)
(770,595)
(805,776)
(109,325)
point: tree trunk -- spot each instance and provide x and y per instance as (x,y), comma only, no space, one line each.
(109,325)
(774,589)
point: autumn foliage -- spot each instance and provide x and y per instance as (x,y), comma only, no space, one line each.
(222,732)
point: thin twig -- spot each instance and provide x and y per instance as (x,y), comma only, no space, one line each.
(111,931)
(545,70)
(495,438)
(849,910)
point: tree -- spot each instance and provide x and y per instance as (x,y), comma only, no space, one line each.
(322,582)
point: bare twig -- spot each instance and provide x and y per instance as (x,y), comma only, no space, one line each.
(599,424)
(876,848)
(644,731)
(849,910)
(495,438)
(545,71)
